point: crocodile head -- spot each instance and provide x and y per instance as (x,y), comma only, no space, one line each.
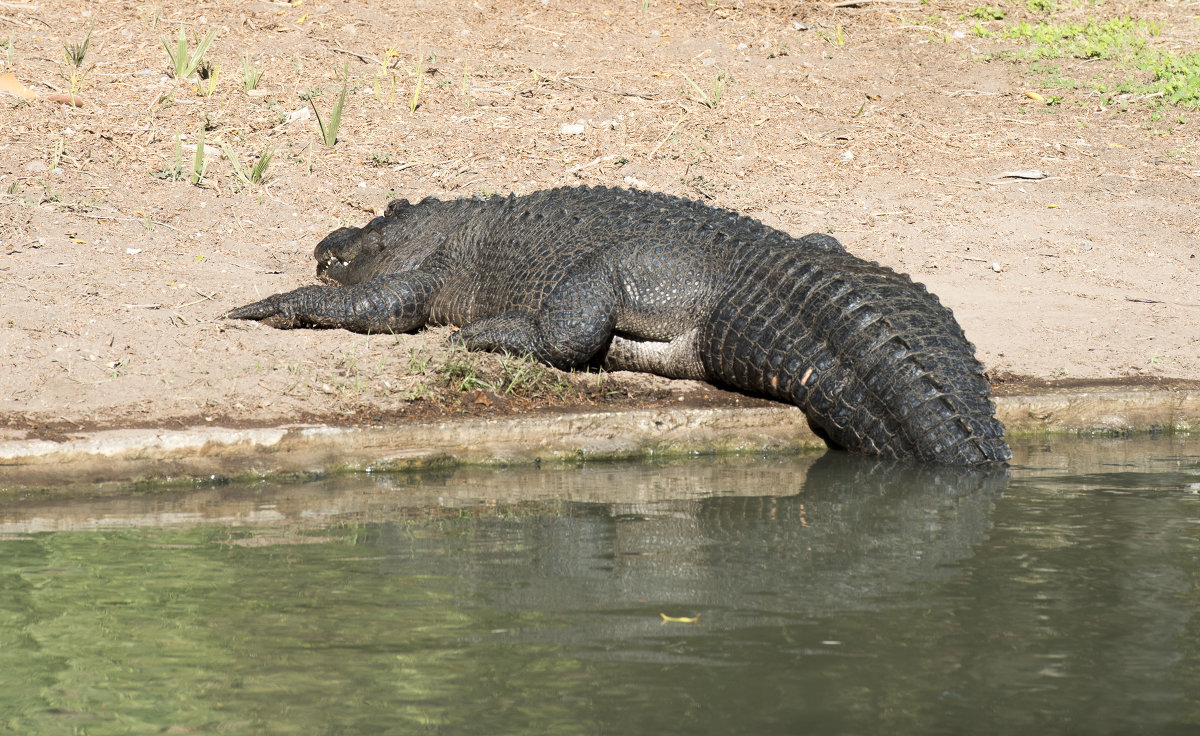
(349,255)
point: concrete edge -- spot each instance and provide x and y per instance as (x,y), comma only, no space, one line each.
(159,455)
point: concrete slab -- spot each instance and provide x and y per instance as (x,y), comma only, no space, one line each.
(166,455)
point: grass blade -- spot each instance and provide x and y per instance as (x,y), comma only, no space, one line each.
(198,161)
(259,172)
(194,61)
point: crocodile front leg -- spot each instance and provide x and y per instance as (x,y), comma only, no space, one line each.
(397,303)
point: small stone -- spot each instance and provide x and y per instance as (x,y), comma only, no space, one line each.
(294,115)
(995,266)
(574,128)
(35,166)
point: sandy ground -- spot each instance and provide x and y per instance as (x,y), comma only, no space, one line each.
(878,123)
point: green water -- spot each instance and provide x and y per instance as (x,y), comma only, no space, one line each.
(829,595)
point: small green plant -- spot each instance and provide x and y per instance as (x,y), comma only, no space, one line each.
(416,94)
(77,51)
(175,170)
(523,376)
(710,100)
(391,100)
(183,62)
(461,372)
(56,155)
(198,163)
(466,87)
(1175,77)
(207,73)
(257,173)
(329,132)
(987,12)
(251,74)
(1039,6)
(418,360)
(8,47)
(838,40)
(49,195)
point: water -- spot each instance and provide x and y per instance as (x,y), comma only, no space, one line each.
(813,595)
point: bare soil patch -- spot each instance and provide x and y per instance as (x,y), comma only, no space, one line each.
(890,125)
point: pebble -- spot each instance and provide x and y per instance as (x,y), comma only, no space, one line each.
(294,115)
(35,166)
(574,128)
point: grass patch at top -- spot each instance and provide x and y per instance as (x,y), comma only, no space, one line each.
(1172,76)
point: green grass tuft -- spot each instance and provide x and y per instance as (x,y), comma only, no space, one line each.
(208,73)
(416,94)
(183,62)
(77,51)
(257,173)
(198,163)
(251,74)
(987,12)
(329,133)
(1171,77)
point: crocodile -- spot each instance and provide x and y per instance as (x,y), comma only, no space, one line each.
(636,280)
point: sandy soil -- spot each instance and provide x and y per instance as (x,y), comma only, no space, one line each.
(879,123)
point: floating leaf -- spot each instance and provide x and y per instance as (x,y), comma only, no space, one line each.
(679,619)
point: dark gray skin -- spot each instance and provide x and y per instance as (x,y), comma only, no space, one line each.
(642,281)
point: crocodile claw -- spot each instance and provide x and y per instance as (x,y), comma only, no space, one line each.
(273,311)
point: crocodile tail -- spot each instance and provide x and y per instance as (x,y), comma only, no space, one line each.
(876,362)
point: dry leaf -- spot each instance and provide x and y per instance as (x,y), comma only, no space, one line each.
(9,85)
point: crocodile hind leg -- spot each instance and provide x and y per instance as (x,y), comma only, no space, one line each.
(677,358)
(574,325)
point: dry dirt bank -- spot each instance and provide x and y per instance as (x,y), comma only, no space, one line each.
(885,124)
